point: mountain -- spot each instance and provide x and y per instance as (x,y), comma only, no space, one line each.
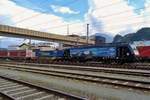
(117,38)
(108,37)
(142,34)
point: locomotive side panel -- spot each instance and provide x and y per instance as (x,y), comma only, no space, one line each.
(93,53)
(49,56)
(108,52)
(53,53)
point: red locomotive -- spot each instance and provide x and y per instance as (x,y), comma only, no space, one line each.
(142,50)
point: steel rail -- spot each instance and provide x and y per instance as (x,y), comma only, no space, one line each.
(145,85)
(58,93)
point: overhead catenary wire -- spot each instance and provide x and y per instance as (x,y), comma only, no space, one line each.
(124,20)
(37,14)
(111,29)
(97,16)
(93,9)
(33,16)
(114,28)
(115,25)
(21,12)
(107,16)
(64,25)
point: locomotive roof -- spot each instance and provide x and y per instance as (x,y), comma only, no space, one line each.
(102,45)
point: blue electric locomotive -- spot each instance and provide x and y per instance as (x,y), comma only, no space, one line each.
(118,53)
(106,53)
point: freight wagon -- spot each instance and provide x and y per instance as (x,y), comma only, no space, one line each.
(3,54)
(20,55)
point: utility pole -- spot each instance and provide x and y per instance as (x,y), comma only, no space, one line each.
(87,35)
(0,43)
(67,29)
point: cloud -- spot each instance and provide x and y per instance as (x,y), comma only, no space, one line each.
(14,15)
(26,18)
(5,19)
(63,10)
(116,16)
(104,16)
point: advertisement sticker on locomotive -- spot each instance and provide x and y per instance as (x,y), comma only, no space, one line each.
(104,51)
(97,51)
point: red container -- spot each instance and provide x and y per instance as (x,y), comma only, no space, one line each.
(3,53)
(20,53)
(13,53)
(144,51)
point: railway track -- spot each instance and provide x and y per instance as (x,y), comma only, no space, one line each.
(141,66)
(93,69)
(12,89)
(90,77)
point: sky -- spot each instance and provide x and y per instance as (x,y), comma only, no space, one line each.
(107,17)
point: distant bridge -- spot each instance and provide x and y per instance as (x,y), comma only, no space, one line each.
(10,31)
